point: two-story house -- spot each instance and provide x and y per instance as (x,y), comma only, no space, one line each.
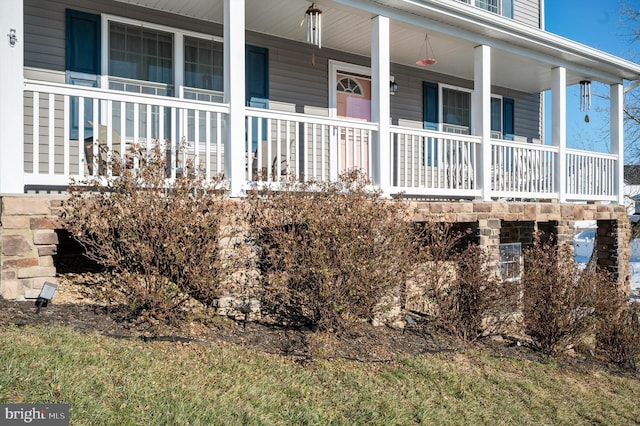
(440,100)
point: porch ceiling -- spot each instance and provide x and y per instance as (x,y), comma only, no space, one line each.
(522,56)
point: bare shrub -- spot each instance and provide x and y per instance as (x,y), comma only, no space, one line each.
(467,299)
(558,300)
(159,238)
(330,252)
(617,331)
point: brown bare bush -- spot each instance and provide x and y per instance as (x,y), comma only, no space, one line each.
(460,282)
(158,238)
(330,252)
(559,301)
(617,331)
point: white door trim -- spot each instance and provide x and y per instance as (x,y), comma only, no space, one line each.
(334,67)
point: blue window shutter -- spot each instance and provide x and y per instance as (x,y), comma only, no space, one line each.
(508,119)
(507,8)
(430,120)
(82,63)
(496,115)
(82,53)
(257,87)
(430,108)
(257,71)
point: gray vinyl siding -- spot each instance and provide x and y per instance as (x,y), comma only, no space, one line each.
(44,23)
(527,12)
(298,73)
(526,107)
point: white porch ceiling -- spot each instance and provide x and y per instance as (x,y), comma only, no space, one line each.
(522,56)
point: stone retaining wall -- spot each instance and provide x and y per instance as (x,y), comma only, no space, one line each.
(28,238)
(28,242)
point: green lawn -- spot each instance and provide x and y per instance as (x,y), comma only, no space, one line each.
(123,382)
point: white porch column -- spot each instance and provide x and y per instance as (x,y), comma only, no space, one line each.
(11,97)
(380,102)
(559,128)
(178,66)
(234,94)
(482,115)
(616,94)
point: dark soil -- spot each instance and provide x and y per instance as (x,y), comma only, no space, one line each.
(77,305)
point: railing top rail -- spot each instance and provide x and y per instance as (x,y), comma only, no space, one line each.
(114,95)
(524,145)
(308,118)
(591,154)
(434,134)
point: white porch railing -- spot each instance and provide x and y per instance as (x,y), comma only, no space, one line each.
(522,170)
(74,132)
(430,163)
(305,146)
(591,175)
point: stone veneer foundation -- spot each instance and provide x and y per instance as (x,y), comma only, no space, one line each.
(29,241)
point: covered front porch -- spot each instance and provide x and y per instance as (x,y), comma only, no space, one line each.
(69,130)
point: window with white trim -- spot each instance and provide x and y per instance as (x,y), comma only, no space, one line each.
(490,5)
(456,110)
(203,66)
(141,58)
(138,56)
(500,7)
(510,263)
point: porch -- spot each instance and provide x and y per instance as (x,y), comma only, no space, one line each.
(60,121)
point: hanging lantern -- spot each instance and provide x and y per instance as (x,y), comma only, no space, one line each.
(313,16)
(585,98)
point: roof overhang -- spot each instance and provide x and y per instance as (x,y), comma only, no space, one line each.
(522,56)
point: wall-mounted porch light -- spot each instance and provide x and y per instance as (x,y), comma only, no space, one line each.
(313,16)
(393,86)
(46,294)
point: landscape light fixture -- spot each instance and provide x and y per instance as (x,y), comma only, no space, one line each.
(46,294)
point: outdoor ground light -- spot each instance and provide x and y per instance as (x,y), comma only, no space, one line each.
(46,294)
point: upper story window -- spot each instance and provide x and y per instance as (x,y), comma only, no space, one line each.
(501,7)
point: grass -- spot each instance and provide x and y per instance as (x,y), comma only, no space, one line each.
(120,382)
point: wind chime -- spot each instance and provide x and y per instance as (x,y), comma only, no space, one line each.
(313,17)
(585,98)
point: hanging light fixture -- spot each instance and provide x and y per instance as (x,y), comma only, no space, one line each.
(427,59)
(585,98)
(313,16)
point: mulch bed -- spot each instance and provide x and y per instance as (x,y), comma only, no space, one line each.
(76,306)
